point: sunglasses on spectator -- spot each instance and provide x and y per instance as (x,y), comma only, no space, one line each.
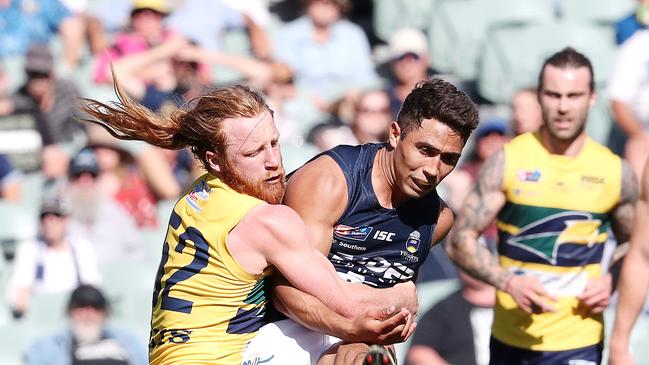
(363,109)
(408,56)
(77,176)
(55,214)
(38,75)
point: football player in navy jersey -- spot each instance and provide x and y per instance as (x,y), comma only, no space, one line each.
(373,209)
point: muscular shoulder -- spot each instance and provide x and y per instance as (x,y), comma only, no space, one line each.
(319,184)
(267,225)
(444,223)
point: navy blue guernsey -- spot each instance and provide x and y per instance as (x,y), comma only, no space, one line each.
(371,244)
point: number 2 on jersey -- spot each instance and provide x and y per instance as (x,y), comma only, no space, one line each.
(201,257)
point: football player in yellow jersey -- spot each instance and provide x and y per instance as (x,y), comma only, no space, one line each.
(227,232)
(554,192)
(634,279)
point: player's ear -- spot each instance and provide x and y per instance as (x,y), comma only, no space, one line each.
(213,162)
(394,134)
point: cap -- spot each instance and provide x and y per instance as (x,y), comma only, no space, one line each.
(39,59)
(84,161)
(98,137)
(344,5)
(87,296)
(54,206)
(491,125)
(408,40)
(159,6)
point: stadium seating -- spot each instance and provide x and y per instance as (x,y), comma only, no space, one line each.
(601,11)
(17,224)
(458,28)
(513,55)
(129,288)
(392,15)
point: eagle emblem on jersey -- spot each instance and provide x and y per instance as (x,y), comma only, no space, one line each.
(543,237)
(413,241)
(352,233)
(200,191)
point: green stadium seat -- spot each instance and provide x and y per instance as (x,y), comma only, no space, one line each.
(17,336)
(458,28)
(14,68)
(513,55)
(17,223)
(129,288)
(49,310)
(602,11)
(294,157)
(392,15)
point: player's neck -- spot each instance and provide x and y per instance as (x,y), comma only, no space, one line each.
(383,179)
(555,146)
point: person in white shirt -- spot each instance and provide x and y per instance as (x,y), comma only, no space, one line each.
(52,263)
(628,90)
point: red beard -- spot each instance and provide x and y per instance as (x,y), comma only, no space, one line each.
(271,193)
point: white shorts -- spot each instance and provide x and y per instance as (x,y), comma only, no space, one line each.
(287,342)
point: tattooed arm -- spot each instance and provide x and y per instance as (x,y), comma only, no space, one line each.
(622,215)
(634,279)
(479,209)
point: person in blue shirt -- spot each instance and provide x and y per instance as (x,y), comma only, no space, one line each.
(633,22)
(88,340)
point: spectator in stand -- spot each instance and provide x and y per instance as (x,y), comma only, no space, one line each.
(119,178)
(51,101)
(98,218)
(633,22)
(328,54)
(327,135)
(628,89)
(54,262)
(526,111)
(207,21)
(372,117)
(9,181)
(27,22)
(88,340)
(457,329)
(408,49)
(368,118)
(146,35)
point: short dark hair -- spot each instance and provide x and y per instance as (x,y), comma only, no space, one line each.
(568,57)
(440,100)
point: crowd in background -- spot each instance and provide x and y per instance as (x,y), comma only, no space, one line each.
(78,205)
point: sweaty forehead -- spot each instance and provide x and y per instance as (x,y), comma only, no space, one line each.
(438,135)
(566,78)
(242,131)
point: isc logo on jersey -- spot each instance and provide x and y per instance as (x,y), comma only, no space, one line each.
(352,233)
(412,244)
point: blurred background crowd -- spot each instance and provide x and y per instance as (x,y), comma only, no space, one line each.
(80,209)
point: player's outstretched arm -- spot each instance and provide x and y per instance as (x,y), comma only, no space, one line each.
(634,279)
(479,209)
(278,235)
(318,193)
(379,326)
